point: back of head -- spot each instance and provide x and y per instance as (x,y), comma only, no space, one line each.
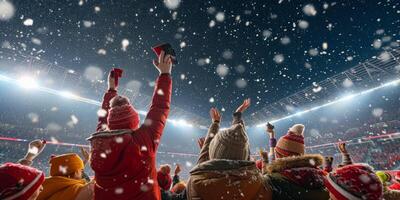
(65,165)
(122,115)
(163,178)
(231,144)
(291,144)
(19,182)
(179,187)
(356,181)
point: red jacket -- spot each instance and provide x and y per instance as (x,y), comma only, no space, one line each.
(124,161)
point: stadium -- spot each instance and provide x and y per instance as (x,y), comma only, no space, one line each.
(348,110)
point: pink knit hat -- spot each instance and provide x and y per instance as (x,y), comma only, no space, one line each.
(19,182)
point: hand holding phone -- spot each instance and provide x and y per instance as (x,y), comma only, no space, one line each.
(168,50)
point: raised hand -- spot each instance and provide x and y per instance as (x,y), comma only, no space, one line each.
(164,63)
(200,142)
(270,130)
(342,147)
(35,148)
(215,115)
(177,169)
(85,154)
(244,106)
(111,81)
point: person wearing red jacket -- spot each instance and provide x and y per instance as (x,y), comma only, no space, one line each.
(124,154)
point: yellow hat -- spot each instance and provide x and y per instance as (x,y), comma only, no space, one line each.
(65,164)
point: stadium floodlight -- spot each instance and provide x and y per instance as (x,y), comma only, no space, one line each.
(345,98)
(27,82)
(180,122)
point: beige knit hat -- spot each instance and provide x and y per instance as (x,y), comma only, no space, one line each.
(291,144)
(231,144)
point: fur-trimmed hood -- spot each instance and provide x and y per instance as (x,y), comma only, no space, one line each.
(227,179)
(307,160)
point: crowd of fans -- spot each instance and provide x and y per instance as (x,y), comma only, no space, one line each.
(123,152)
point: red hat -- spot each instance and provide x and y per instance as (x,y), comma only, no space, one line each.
(122,115)
(354,182)
(291,144)
(19,182)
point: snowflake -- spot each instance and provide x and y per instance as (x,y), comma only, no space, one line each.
(28,22)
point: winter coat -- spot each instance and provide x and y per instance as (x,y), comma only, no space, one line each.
(124,161)
(227,179)
(58,187)
(297,178)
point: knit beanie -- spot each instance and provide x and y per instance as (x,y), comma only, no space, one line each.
(354,182)
(231,144)
(291,144)
(179,187)
(19,182)
(122,114)
(66,164)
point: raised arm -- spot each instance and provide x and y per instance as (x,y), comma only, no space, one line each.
(272,141)
(157,116)
(105,106)
(35,148)
(237,116)
(212,131)
(346,158)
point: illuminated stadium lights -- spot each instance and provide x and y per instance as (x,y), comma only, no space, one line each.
(348,97)
(27,82)
(68,94)
(180,122)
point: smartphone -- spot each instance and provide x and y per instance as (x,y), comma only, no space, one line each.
(167,48)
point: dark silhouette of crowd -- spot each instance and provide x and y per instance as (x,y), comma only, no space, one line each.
(123,160)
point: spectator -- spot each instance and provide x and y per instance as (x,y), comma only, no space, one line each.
(294,174)
(396,185)
(388,193)
(123,157)
(223,170)
(164,180)
(355,181)
(19,181)
(66,180)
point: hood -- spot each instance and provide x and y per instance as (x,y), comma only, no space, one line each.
(227,179)
(300,170)
(61,187)
(223,164)
(107,146)
(308,160)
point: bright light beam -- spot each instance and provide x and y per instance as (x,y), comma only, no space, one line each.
(27,82)
(346,98)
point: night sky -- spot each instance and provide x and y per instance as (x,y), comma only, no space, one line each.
(227,50)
